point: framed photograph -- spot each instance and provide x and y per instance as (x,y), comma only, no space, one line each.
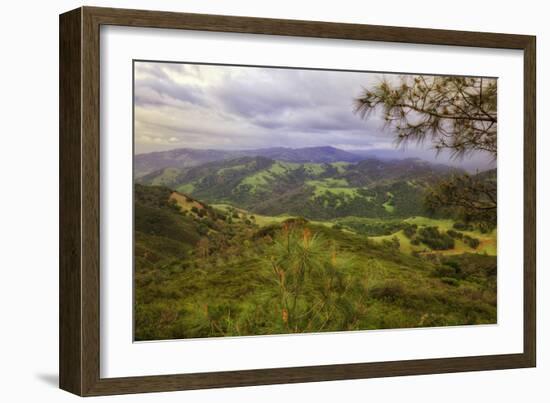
(250,201)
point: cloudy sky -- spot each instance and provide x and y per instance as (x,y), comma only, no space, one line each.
(231,107)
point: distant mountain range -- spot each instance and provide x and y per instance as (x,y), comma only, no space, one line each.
(188,157)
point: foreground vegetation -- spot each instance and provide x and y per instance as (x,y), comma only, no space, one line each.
(205,271)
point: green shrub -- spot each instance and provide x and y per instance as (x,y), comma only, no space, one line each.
(471,242)
(435,239)
(455,234)
(485,228)
(410,230)
(392,243)
(390,291)
(444,271)
(461,226)
(450,281)
(202,229)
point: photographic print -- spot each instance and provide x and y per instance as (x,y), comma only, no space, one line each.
(274,200)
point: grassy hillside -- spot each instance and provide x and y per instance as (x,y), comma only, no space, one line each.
(487,241)
(206,270)
(319,191)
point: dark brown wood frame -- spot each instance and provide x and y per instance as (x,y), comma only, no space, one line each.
(79,201)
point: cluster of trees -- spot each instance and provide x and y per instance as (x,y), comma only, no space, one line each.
(467,239)
(303,201)
(471,241)
(369,227)
(435,239)
(461,226)
(392,243)
(475,268)
(409,230)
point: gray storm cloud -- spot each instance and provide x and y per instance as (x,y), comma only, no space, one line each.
(231,107)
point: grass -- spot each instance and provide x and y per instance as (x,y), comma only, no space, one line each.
(261,220)
(333,186)
(445,224)
(340,166)
(405,245)
(265,220)
(186,188)
(387,205)
(261,178)
(279,168)
(225,207)
(389,208)
(185,203)
(168,176)
(314,169)
(264,177)
(232,169)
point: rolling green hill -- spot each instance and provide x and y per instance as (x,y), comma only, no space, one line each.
(319,191)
